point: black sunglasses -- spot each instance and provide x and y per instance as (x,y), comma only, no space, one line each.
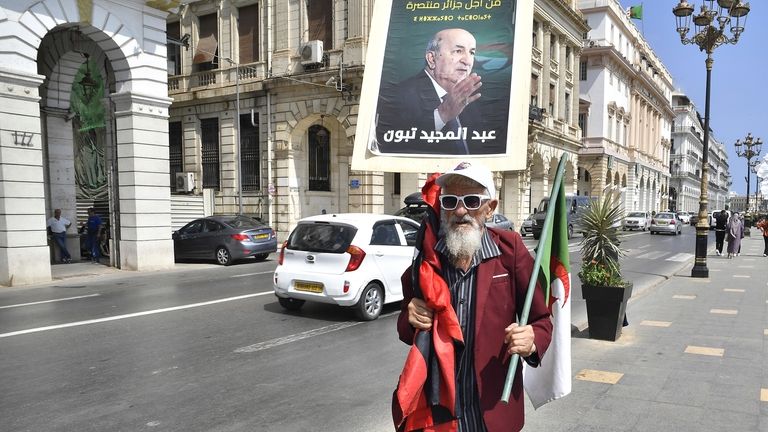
(470,202)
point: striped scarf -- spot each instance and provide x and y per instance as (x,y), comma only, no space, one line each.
(425,398)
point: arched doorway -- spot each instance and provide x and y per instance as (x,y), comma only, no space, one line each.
(78,130)
(52,45)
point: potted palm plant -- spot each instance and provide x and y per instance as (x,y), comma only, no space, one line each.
(602,286)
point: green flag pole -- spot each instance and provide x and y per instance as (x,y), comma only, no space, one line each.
(545,233)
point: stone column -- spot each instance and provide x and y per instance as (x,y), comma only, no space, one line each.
(545,69)
(60,169)
(145,206)
(24,252)
(562,80)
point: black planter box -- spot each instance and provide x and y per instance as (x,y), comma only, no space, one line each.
(606,307)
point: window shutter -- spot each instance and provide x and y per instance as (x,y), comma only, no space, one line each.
(320,14)
(248,27)
(207,43)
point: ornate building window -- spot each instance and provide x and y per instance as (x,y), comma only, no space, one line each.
(319,158)
(320,16)
(249,153)
(207,53)
(248,32)
(173,30)
(175,150)
(209,135)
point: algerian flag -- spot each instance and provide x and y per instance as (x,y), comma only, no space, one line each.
(636,12)
(552,379)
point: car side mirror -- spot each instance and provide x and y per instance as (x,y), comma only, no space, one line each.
(535,210)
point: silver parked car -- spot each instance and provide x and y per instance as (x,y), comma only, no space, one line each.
(527,226)
(666,222)
(501,222)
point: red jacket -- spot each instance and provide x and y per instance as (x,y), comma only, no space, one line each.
(501,287)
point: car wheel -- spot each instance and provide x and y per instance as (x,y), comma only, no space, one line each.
(223,257)
(371,301)
(261,257)
(623,229)
(536,236)
(290,304)
(652,233)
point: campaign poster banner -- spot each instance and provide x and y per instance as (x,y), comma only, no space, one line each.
(445,82)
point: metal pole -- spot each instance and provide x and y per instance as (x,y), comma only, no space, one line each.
(746,209)
(702,225)
(237,141)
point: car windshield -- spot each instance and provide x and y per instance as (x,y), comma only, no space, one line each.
(321,237)
(543,205)
(636,214)
(243,222)
(415,213)
(664,216)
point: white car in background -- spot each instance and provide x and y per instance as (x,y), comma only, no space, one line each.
(685,217)
(348,259)
(636,220)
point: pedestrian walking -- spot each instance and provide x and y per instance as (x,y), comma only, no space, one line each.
(762,225)
(482,274)
(721,224)
(734,234)
(93,226)
(58,226)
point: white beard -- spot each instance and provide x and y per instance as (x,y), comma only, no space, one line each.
(461,240)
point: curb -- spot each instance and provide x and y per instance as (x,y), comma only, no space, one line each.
(637,293)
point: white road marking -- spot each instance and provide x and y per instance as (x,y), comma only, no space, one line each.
(252,274)
(652,255)
(131,315)
(48,301)
(681,257)
(261,346)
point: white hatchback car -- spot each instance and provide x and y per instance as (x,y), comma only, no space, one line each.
(636,220)
(347,259)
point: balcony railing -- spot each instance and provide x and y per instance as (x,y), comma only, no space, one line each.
(218,77)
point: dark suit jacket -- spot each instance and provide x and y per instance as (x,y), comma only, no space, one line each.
(411,103)
(501,289)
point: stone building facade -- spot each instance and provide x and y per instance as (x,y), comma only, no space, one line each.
(58,57)
(298,113)
(686,160)
(553,128)
(626,111)
(295,67)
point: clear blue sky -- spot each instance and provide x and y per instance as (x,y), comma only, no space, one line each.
(739,89)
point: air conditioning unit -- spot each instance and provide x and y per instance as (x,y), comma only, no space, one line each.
(312,52)
(185,182)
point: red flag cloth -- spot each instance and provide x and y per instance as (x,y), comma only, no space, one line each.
(425,398)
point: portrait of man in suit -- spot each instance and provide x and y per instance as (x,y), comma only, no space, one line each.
(436,111)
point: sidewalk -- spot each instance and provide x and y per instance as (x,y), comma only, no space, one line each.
(692,359)
(87,269)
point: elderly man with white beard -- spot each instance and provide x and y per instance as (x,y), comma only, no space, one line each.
(487,272)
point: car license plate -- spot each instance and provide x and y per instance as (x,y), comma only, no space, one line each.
(309,287)
(261,236)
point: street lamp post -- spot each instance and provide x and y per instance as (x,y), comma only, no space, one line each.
(749,149)
(711,23)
